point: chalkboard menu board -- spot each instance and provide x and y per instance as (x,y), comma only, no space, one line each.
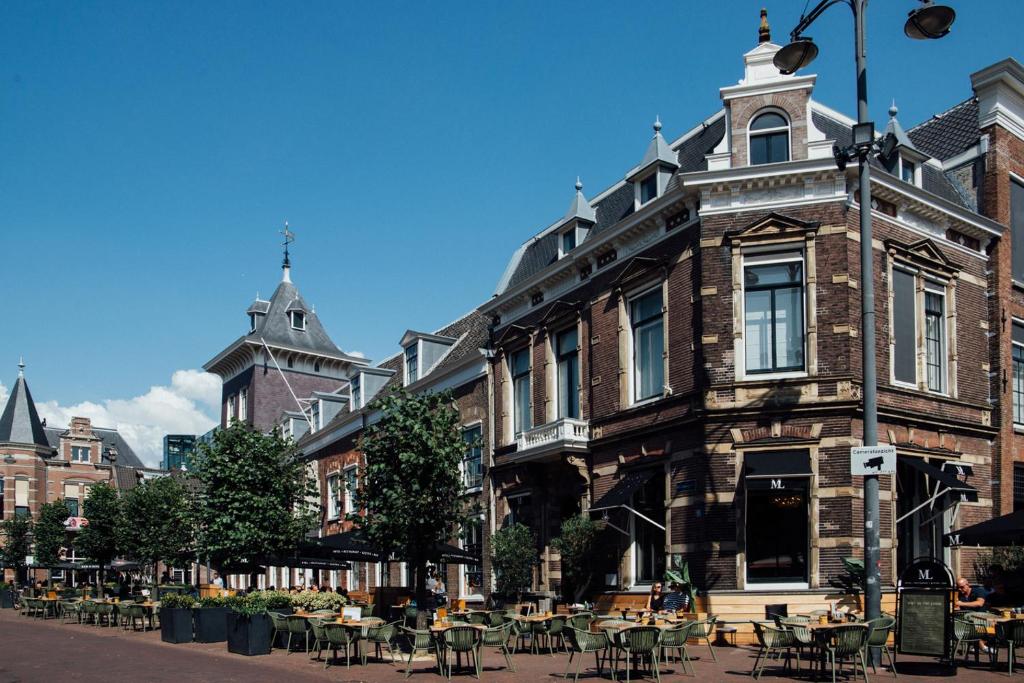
(923,623)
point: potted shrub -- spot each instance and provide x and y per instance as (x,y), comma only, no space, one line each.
(309,601)
(6,596)
(211,620)
(278,601)
(170,589)
(248,625)
(176,619)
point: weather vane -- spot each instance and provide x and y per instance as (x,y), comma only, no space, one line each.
(289,237)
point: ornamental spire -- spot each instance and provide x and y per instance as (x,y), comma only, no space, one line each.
(764,31)
(286,265)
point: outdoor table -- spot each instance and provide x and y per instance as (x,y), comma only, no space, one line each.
(50,605)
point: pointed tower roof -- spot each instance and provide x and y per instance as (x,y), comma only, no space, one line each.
(902,139)
(580,208)
(658,153)
(20,422)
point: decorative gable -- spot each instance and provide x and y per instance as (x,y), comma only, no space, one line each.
(923,254)
(774,227)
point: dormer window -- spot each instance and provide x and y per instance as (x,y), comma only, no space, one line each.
(910,171)
(568,240)
(769,139)
(80,454)
(356,393)
(649,188)
(411,363)
(298,320)
(252,322)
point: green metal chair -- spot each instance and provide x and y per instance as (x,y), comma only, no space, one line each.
(548,630)
(458,640)
(1010,635)
(773,641)
(674,640)
(495,618)
(410,614)
(297,627)
(702,630)
(70,610)
(801,635)
(879,640)
(365,611)
(638,643)
(967,633)
(583,642)
(497,637)
(478,618)
(419,641)
(847,641)
(581,620)
(342,636)
(319,633)
(280,624)
(88,611)
(378,635)
(104,611)
(518,631)
(135,613)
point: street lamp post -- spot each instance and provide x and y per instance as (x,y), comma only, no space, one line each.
(927,21)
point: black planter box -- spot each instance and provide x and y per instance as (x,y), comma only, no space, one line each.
(6,599)
(211,624)
(249,635)
(176,625)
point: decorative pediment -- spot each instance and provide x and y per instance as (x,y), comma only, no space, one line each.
(924,254)
(558,309)
(635,268)
(772,227)
(512,333)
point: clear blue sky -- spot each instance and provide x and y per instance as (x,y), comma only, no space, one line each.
(150,151)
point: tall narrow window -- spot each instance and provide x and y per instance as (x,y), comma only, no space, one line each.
(21,498)
(769,139)
(568,240)
(649,540)
(773,330)
(71,499)
(243,404)
(907,170)
(649,188)
(568,373)
(351,486)
(647,321)
(356,398)
(2,512)
(231,408)
(1018,374)
(472,462)
(333,496)
(935,337)
(1017,229)
(520,370)
(314,415)
(904,317)
(412,363)
(473,544)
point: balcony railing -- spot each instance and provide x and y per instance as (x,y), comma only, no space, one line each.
(565,433)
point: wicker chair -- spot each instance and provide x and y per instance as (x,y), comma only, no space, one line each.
(497,637)
(378,635)
(801,634)
(495,618)
(518,630)
(702,630)
(88,611)
(366,611)
(104,611)
(582,642)
(967,633)
(1010,635)
(674,640)
(548,630)
(879,640)
(581,620)
(478,618)
(638,643)
(410,615)
(280,624)
(133,613)
(848,641)
(297,627)
(419,641)
(341,636)
(773,641)
(319,633)
(459,639)
(70,610)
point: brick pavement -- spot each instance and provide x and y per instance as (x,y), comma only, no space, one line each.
(34,650)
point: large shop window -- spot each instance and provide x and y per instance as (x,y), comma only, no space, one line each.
(1017,229)
(769,139)
(777,512)
(907,309)
(520,370)
(648,539)
(647,320)
(1018,374)
(472,542)
(472,462)
(773,305)
(568,373)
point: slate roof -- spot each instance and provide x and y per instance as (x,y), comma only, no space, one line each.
(276,326)
(950,133)
(20,422)
(110,438)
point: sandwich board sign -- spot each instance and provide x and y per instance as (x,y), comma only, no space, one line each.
(867,460)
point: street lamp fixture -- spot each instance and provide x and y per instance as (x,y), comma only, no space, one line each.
(796,55)
(930,21)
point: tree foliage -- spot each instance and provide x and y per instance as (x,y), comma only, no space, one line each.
(98,540)
(257,497)
(50,534)
(157,523)
(15,534)
(577,546)
(412,481)
(513,557)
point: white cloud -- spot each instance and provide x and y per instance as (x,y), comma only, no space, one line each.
(357,354)
(3,396)
(187,406)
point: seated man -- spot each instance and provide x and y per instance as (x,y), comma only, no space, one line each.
(676,600)
(968,597)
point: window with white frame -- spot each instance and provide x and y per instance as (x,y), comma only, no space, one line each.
(243,404)
(519,368)
(648,539)
(334,503)
(472,575)
(412,363)
(472,462)
(935,336)
(646,319)
(80,453)
(231,408)
(773,312)
(919,302)
(1018,374)
(769,138)
(314,415)
(21,508)
(649,188)
(908,170)
(568,240)
(568,368)
(298,320)
(72,499)
(355,393)
(351,488)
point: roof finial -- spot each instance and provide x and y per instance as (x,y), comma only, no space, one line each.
(21,366)
(579,184)
(286,266)
(657,124)
(893,110)
(764,31)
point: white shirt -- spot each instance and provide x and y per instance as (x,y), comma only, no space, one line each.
(218,582)
(431,584)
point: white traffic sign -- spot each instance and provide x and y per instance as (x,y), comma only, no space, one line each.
(865,460)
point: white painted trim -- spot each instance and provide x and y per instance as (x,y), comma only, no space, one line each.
(782,247)
(788,128)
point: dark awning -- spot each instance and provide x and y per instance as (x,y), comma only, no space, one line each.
(957,468)
(945,478)
(302,562)
(454,555)
(353,546)
(777,464)
(622,492)
(996,532)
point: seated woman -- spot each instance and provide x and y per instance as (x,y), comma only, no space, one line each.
(655,600)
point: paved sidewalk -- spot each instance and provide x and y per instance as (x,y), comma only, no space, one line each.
(34,650)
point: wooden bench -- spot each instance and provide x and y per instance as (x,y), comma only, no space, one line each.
(611,603)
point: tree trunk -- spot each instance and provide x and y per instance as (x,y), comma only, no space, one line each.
(420,591)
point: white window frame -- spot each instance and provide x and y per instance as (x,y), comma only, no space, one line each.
(78,448)
(405,362)
(231,408)
(477,424)
(1018,424)
(355,392)
(939,289)
(631,345)
(463,583)
(516,427)
(293,316)
(243,404)
(334,501)
(767,131)
(558,372)
(917,170)
(634,572)
(915,273)
(923,283)
(639,187)
(757,256)
(348,496)
(314,415)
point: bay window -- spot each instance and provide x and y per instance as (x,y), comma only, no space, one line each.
(648,336)
(773,312)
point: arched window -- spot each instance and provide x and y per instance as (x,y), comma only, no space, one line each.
(769,138)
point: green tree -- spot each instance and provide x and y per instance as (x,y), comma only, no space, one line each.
(50,534)
(157,523)
(257,498)
(98,540)
(513,557)
(16,533)
(577,546)
(412,482)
